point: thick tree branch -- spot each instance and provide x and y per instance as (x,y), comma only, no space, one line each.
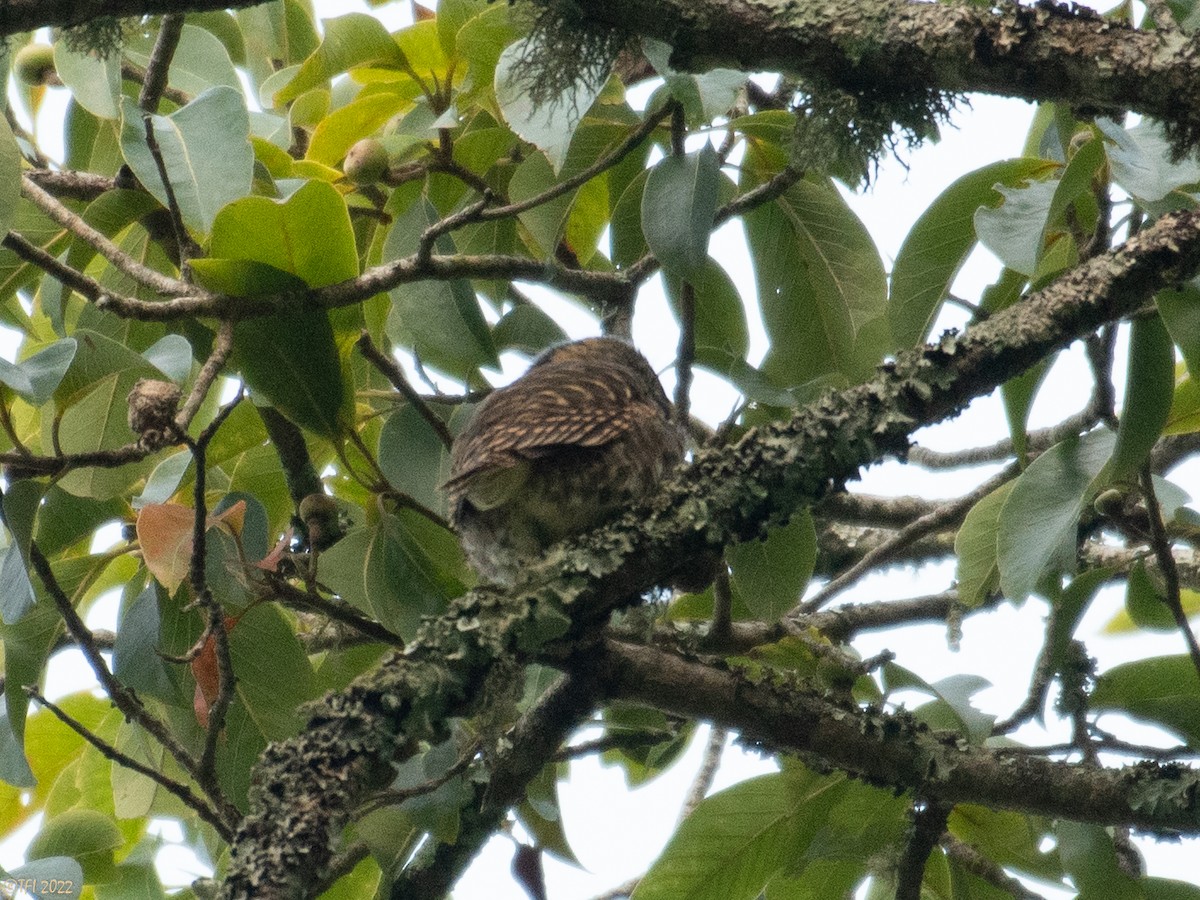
(895,750)
(897,49)
(26,15)
(307,788)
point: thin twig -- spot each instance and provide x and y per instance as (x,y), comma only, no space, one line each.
(55,268)
(466,215)
(122,261)
(982,867)
(949,514)
(124,699)
(393,373)
(1036,441)
(685,355)
(929,823)
(212,367)
(636,137)
(722,618)
(198,580)
(1166,564)
(155,81)
(183,241)
(341,612)
(186,795)
(133,72)
(707,773)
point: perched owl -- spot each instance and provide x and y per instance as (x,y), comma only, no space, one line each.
(585,433)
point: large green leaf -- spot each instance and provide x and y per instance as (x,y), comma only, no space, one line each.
(820,282)
(200,61)
(978,571)
(551,125)
(290,357)
(1149,389)
(939,243)
(352,40)
(735,841)
(396,571)
(1180,310)
(678,209)
(95,82)
(205,149)
(440,320)
(771,574)
(274,676)
(1038,521)
(1164,690)
(10,178)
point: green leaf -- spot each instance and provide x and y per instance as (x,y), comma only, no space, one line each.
(1141,160)
(1164,690)
(45,370)
(771,574)
(200,61)
(87,836)
(1149,389)
(938,244)
(10,178)
(16,590)
(978,571)
(548,127)
(705,95)
(412,457)
(528,330)
(736,840)
(133,792)
(440,320)
(337,132)
(1143,602)
(290,357)
(274,676)
(14,768)
(1038,521)
(205,149)
(720,323)
(136,660)
(394,572)
(172,355)
(1090,860)
(546,221)
(352,40)
(1180,310)
(95,83)
(820,281)
(1013,230)
(678,209)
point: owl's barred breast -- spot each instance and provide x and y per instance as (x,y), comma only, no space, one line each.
(583,435)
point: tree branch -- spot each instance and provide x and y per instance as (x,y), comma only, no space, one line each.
(27,15)
(305,789)
(891,49)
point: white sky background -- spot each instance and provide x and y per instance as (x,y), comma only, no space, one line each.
(617,833)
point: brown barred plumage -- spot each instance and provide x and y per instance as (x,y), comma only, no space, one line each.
(586,432)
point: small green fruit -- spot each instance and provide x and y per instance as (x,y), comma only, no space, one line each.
(34,64)
(366,162)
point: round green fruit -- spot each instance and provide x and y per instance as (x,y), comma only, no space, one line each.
(366,162)
(34,64)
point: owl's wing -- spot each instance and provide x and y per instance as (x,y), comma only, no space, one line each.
(561,406)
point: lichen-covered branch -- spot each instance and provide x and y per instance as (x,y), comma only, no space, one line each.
(27,15)
(895,50)
(307,788)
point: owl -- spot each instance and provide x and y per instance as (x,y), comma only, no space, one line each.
(583,435)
